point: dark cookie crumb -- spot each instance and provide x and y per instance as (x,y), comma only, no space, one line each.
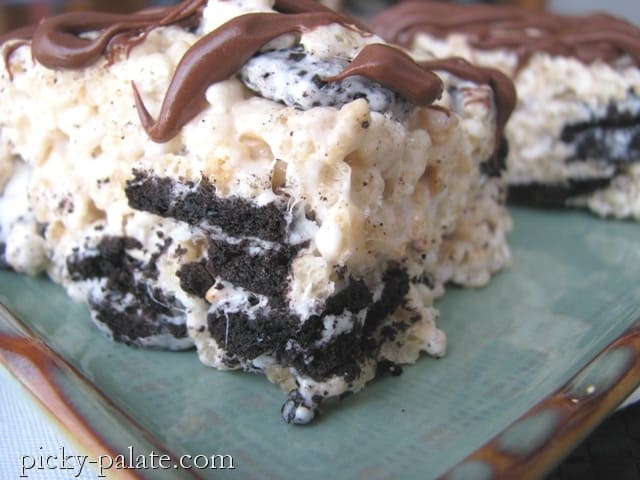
(195,278)
(297,56)
(265,274)
(150,270)
(424,279)
(341,355)
(317,81)
(388,332)
(387,367)
(353,298)
(245,337)
(396,287)
(295,410)
(66,205)
(110,261)
(42,228)
(140,319)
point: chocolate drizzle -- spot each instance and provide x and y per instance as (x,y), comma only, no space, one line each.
(587,38)
(395,70)
(22,33)
(19,38)
(300,6)
(504,91)
(57,41)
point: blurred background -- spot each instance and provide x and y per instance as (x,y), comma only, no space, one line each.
(628,9)
(15,13)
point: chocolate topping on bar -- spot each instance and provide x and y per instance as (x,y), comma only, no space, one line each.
(587,38)
(244,36)
(231,45)
(58,43)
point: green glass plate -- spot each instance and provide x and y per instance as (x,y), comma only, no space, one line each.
(536,360)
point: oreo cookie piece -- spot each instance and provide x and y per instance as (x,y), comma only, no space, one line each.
(613,138)
(295,78)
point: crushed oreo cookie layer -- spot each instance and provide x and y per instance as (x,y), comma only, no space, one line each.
(245,280)
(283,334)
(123,300)
(246,242)
(295,78)
(314,347)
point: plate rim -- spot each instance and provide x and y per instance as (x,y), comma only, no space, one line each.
(35,364)
(575,417)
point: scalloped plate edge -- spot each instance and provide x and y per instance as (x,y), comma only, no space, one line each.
(51,380)
(537,441)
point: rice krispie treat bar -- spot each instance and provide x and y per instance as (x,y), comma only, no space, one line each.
(574,138)
(262,180)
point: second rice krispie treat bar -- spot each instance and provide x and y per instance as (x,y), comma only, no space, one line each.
(574,137)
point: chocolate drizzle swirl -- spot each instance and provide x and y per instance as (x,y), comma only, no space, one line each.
(587,38)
